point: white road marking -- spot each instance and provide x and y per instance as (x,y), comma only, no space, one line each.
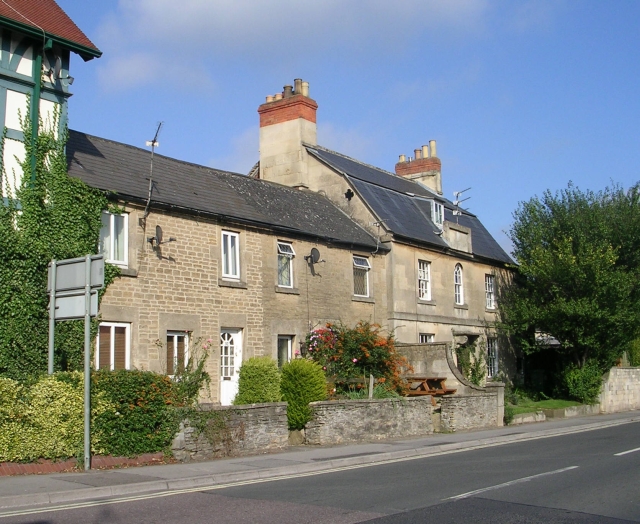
(510,483)
(625,452)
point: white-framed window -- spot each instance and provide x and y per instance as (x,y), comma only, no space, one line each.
(361,269)
(285,264)
(113,350)
(114,238)
(230,255)
(489,291)
(426,338)
(458,288)
(177,351)
(285,343)
(492,357)
(424,280)
(438,214)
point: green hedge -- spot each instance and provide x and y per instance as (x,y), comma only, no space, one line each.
(142,419)
(259,381)
(303,381)
(47,419)
(133,412)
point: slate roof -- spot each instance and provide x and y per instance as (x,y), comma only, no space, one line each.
(48,15)
(124,170)
(404,206)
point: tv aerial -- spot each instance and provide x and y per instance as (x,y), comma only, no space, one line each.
(152,144)
(457,211)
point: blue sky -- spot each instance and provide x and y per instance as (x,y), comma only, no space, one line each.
(521,96)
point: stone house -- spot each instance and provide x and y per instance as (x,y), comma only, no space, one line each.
(250,264)
(36,41)
(205,254)
(442,266)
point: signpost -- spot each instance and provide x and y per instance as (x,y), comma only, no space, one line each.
(73,294)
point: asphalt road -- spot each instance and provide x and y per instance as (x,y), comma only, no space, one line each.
(584,477)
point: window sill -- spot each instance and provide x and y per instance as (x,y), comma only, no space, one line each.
(368,300)
(426,302)
(460,306)
(128,272)
(491,310)
(287,290)
(232,283)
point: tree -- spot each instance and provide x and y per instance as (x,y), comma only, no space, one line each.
(51,216)
(579,261)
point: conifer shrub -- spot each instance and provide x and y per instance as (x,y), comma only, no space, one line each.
(303,381)
(259,381)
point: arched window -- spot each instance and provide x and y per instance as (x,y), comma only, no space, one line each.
(458,287)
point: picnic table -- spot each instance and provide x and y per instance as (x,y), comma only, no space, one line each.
(433,386)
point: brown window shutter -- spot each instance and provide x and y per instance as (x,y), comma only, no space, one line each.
(170,355)
(120,347)
(181,353)
(104,349)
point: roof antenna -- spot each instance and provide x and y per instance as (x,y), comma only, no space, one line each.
(457,212)
(153,144)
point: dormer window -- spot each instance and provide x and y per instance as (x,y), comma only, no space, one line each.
(438,214)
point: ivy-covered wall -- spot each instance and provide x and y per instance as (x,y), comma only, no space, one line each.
(51,216)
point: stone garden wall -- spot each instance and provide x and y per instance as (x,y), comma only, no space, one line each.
(232,431)
(335,422)
(464,412)
(620,390)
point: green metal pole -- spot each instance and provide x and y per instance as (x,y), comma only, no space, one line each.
(87,363)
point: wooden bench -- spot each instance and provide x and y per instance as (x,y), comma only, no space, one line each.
(433,386)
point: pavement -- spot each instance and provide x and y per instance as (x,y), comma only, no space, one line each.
(76,487)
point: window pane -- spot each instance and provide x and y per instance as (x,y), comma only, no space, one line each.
(180,353)
(284,271)
(360,282)
(284,345)
(233,249)
(118,238)
(105,236)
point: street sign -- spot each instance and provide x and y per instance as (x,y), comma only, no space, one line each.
(71,307)
(70,274)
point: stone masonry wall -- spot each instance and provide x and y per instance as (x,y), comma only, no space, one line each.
(620,390)
(363,420)
(233,431)
(459,412)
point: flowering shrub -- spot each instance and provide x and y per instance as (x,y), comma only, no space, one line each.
(346,354)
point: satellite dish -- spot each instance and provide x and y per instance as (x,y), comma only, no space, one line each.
(314,256)
(158,235)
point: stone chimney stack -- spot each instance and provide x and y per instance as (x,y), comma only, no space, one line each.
(425,168)
(287,120)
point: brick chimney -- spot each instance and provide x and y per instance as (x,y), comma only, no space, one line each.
(424,168)
(287,120)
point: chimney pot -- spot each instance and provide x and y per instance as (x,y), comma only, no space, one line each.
(305,89)
(277,96)
(297,86)
(288,91)
(269,98)
(425,151)
(402,158)
(417,153)
(432,147)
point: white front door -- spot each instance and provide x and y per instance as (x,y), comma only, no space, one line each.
(230,361)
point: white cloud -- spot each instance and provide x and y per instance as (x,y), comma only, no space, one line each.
(192,32)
